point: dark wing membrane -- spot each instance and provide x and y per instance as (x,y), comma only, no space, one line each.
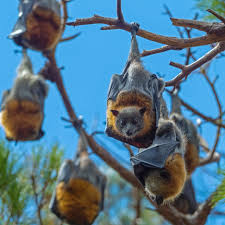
(66,171)
(4,98)
(154,156)
(25,8)
(116,85)
(103,186)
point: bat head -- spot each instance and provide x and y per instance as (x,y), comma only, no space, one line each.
(129,121)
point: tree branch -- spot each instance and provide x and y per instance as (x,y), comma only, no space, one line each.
(186,70)
(172,41)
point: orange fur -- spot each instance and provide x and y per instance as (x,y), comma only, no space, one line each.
(191,158)
(21,119)
(43,28)
(78,201)
(126,99)
(172,187)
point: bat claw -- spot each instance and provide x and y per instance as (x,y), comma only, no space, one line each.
(134,27)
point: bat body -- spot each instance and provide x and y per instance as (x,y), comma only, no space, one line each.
(79,195)
(186,202)
(22,106)
(190,132)
(39,24)
(134,102)
(161,167)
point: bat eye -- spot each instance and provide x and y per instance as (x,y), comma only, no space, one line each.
(123,123)
(164,175)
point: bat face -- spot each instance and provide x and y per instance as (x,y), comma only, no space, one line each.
(79,194)
(39,24)
(131,119)
(22,120)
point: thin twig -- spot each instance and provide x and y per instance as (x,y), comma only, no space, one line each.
(216,15)
(186,70)
(70,38)
(159,50)
(129,149)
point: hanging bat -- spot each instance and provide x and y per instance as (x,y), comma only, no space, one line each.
(22,106)
(190,131)
(186,202)
(161,167)
(134,103)
(39,24)
(79,194)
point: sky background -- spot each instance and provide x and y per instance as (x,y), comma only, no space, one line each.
(89,62)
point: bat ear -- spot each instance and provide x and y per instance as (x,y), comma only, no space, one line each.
(115,112)
(142,111)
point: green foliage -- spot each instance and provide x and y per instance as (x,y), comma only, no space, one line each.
(216,5)
(13,191)
(26,184)
(220,192)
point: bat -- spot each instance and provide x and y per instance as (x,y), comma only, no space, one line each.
(79,194)
(186,202)
(39,24)
(134,102)
(190,131)
(22,106)
(161,167)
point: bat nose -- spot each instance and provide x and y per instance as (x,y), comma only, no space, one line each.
(129,133)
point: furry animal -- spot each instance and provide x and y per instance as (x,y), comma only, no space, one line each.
(161,167)
(79,194)
(186,202)
(134,101)
(190,132)
(22,106)
(39,24)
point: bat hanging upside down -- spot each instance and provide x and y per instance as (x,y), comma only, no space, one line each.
(161,167)
(79,194)
(39,24)
(22,106)
(134,101)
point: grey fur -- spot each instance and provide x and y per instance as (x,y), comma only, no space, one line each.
(130,121)
(27,86)
(185,125)
(136,78)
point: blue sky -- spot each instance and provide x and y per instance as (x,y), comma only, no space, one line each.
(92,58)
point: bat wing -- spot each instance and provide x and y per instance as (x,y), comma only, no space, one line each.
(66,171)
(4,98)
(152,157)
(116,85)
(103,186)
(25,8)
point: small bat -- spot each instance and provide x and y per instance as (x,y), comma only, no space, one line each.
(79,194)
(161,167)
(22,106)
(134,101)
(39,24)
